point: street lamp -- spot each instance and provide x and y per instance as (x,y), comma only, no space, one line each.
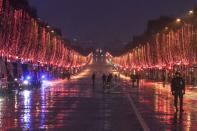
(166,28)
(191,12)
(178,20)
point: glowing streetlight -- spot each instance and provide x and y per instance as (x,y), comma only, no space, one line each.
(191,12)
(166,28)
(178,20)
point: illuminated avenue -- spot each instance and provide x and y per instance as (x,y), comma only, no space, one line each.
(46,83)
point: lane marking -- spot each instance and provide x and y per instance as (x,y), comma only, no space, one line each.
(139,116)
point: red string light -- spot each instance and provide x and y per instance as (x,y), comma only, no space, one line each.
(163,50)
(24,37)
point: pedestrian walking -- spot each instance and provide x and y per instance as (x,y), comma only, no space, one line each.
(137,77)
(109,80)
(119,76)
(178,90)
(115,80)
(68,76)
(133,79)
(10,80)
(104,80)
(93,79)
(116,77)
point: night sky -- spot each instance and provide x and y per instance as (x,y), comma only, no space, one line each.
(106,21)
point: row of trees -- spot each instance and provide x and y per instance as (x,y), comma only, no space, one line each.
(167,42)
(24,36)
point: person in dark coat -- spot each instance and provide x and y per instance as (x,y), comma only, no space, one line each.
(116,77)
(137,77)
(104,77)
(68,77)
(10,80)
(178,90)
(93,79)
(133,79)
(109,80)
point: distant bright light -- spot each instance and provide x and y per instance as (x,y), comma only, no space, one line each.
(43,76)
(191,12)
(46,83)
(178,20)
(82,74)
(26,94)
(15,79)
(134,72)
(28,77)
(169,67)
(26,82)
(166,28)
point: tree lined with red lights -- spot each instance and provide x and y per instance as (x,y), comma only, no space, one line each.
(173,44)
(23,36)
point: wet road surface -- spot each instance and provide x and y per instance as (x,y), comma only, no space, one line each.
(75,106)
(69,105)
(155,103)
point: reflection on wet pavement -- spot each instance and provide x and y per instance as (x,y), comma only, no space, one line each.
(74,106)
(155,103)
(68,105)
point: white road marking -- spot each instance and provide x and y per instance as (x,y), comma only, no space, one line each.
(139,116)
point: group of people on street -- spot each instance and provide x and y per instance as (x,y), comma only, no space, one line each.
(177,86)
(106,80)
(135,79)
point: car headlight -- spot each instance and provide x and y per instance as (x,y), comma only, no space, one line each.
(43,76)
(25,82)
